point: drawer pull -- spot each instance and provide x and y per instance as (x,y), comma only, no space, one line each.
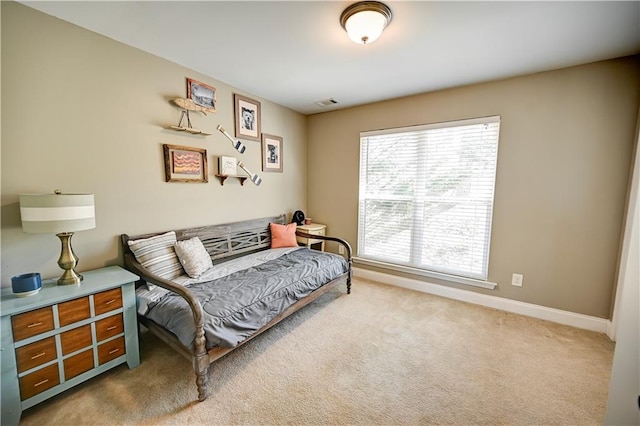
(41,383)
(35,324)
(113,327)
(38,355)
(109,302)
(113,351)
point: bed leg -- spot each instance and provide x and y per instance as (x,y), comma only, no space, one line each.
(201,365)
(349,285)
(201,381)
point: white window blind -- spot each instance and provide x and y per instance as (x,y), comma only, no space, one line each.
(426,196)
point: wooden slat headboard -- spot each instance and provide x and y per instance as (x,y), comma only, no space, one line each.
(226,240)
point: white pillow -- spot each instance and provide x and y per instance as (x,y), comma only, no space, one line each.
(193,256)
(158,255)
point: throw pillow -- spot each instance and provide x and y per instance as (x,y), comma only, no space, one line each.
(283,235)
(157,255)
(193,256)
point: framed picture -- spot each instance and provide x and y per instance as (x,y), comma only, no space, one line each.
(271,153)
(185,164)
(227,166)
(247,117)
(202,94)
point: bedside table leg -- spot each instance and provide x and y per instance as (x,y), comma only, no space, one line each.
(131,325)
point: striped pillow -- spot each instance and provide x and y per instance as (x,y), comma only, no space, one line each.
(157,254)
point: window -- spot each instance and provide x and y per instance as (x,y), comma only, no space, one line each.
(426,196)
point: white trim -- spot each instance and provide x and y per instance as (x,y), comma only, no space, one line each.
(573,319)
(439,125)
(611,331)
(431,274)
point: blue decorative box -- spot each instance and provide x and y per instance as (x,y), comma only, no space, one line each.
(26,284)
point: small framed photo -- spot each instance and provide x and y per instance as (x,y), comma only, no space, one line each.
(247,117)
(227,166)
(271,153)
(202,94)
(185,164)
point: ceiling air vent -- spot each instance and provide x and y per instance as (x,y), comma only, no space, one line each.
(327,102)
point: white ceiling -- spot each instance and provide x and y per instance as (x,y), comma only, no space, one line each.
(296,53)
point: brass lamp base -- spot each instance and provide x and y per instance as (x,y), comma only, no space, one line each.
(69,277)
(68,261)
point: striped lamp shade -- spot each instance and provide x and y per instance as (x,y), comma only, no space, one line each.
(56,213)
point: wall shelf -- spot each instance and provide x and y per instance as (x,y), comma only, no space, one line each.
(224,177)
(188,130)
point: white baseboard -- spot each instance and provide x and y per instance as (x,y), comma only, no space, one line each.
(586,322)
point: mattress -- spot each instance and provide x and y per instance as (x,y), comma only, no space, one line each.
(147,295)
(243,295)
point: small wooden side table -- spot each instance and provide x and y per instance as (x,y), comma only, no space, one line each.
(314,229)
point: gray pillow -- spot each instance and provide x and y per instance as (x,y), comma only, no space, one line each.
(193,256)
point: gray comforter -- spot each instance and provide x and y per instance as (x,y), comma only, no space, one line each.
(237,305)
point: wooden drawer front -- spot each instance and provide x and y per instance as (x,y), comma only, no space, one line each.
(78,364)
(109,327)
(107,301)
(73,311)
(111,350)
(32,323)
(316,231)
(35,354)
(76,339)
(39,381)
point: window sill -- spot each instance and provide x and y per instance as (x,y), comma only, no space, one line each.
(423,273)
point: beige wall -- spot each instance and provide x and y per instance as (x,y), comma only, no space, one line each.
(563,164)
(83,113)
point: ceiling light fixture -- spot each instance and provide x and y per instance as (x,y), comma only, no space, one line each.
(364,21)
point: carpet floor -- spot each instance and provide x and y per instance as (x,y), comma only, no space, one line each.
(380,356)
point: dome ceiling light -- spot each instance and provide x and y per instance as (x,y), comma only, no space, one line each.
(364,21)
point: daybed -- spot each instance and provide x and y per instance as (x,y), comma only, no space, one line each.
(257,287)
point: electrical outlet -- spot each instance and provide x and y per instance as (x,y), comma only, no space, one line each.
(516,279)
(340,249)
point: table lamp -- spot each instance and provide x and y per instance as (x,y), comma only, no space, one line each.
(60,214)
